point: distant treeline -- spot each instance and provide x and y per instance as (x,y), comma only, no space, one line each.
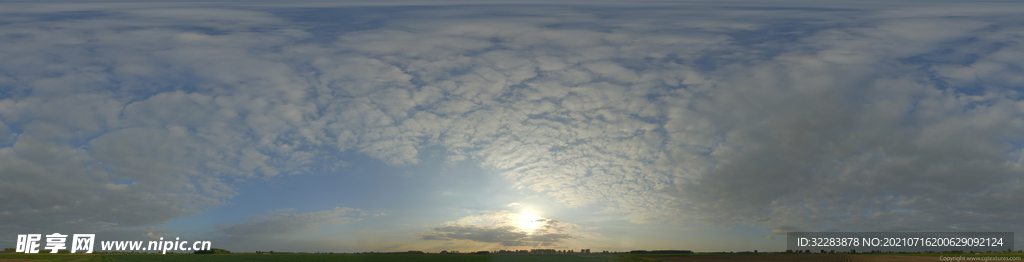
(212,251)
(661,252)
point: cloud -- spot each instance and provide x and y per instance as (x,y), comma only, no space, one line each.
(847,118)
(504,228)
(283,222)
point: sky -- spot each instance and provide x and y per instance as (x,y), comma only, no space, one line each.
(458,125)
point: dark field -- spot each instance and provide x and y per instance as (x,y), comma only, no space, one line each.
(358,258)
(825,258)
(488,258)
(307,257)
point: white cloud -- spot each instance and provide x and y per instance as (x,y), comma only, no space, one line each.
(856,116)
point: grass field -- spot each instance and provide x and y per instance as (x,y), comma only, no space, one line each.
(48,257)
(823,257)
(307,257)
(487,258)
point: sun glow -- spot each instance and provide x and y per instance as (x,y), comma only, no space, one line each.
(528,222)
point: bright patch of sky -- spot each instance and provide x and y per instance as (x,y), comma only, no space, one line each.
(344,127)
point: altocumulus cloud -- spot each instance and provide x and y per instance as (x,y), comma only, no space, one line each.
(846,117)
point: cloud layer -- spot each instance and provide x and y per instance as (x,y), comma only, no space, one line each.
(846,118)
(283,222)
(505,228)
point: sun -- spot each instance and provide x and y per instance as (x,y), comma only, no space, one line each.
(528,222)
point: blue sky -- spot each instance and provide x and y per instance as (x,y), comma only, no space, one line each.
(392,126)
